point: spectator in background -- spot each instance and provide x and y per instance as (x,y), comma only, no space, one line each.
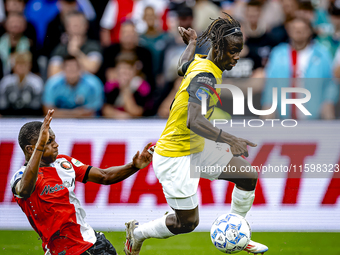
(163,110)
(18,6)
(139,6)
(256,45)
(318,17)
(156,41)
(257,39)
(116,13)
(271,13)
(56,32)
(73,93)
(119,11)
(279,33)
(173,52)
(128,94)
(128,44)
(13,41)
(302,58)
(306,11)
(43,13)
(86,51)
(204,9)
(253,57)
(2,11)
(20,92)
(331,39)
(185,16)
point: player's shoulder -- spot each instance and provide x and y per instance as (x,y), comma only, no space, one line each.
(204,78)
(62,157)
(16,178)
(64,162)
(17,175)
(203,84)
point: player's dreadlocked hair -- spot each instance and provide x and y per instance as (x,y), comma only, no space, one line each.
(217,30)
(29,133)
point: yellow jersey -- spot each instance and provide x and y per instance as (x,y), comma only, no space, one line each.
(201,76)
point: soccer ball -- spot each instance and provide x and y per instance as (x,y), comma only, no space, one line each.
(230,233)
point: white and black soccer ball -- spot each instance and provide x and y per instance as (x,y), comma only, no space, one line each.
(230,233)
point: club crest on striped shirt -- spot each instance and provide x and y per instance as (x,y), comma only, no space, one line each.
(66,165)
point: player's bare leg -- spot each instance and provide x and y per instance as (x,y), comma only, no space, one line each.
(179,222)
(243,194)
(182,221)
(185,221)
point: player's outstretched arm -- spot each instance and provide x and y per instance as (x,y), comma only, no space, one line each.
(189,38)
(25,186)
(119,173)
(197,123)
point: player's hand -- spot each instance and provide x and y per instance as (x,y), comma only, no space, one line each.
(141,160)
(44,131)
(239,147)
(187,35)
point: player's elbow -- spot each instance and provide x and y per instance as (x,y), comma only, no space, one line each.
(192,124)
(25,193)
(103,177)
(106,180)
(110,178)
(194,116)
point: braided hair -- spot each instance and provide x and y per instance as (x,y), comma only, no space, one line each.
(216,32)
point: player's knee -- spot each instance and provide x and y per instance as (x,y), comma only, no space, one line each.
(250,179)
(187,226)
(253,181)
(254,175)
(190,225)
(250,183)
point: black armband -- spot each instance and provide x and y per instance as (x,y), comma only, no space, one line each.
(86,176)
(219,136)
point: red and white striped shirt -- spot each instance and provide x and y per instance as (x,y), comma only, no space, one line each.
(53,209)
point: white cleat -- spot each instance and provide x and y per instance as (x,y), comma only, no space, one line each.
(132,246)
(255,248)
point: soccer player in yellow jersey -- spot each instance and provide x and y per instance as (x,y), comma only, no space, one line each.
(190,139)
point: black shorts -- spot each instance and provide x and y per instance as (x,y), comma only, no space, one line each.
(101,247)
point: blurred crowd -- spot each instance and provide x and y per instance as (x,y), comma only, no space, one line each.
(118,58)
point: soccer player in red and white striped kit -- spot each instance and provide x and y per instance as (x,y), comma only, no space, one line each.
(44,189)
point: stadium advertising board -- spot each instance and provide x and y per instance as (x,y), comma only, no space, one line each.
(299,175)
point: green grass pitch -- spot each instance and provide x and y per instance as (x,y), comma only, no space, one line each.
(197,243)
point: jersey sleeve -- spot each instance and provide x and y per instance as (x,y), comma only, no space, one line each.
(15,179)
(81,170)
(186,65)
(200,87)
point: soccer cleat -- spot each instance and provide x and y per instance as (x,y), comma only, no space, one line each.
(132,246)
(256,248)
